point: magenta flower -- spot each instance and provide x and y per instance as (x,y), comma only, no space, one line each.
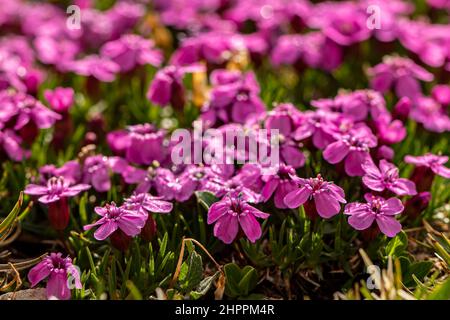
(431,161)
(58,52)
(230,213)
(132,50)
(118,141)
(10,143)
(363,215)
(56,189)
(70,171)
(98,67)
(60,99)
(386,177)
(278,182)
(167,88)
(146,144)
(234,98)
(146,203)
(24,110)
(55,195)
(401,73)
(426,167)
(128,220)
(292,49)
(57,269)
(314,126)
(431,115)
(159,181)
(441,93)
(389,131)
(327,196)
(96,171)
(346,25)
(285,118)
(354,147)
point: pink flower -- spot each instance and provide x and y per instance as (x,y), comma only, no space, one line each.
(327,196)
(279,182)
(230,213)
(146,144)
(167,88)
(56,189)
(389,131)
(234,98)
(132,50)
(431,161)
(10,143)
(60,99)
(362,215)
(55,195)
(401,73)
(314,126)
(346,25)
(96,171)
(386,177)
(426,167)
(24,110)
(160,181)
(147,203)
(441,93)
(129,221)
(431,115)
(57,269)
(93,65)
(354,147)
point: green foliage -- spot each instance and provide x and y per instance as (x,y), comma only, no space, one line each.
(239,282)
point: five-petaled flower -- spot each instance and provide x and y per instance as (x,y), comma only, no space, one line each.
(377,209)
(57,269)
(327,196)
(230,213)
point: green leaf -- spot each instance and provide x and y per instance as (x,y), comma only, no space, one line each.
(8,222)
(239,282)
(191,272)
(419,269)
(205,198)
(397,245)
(248,281)
(232,275)
(204,286)
(441,292)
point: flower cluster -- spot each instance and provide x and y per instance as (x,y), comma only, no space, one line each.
(341,147)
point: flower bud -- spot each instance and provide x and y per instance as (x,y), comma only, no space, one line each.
(417,204)
(402,109)
(149,230)
(59,214)
(423,177)
(120,240)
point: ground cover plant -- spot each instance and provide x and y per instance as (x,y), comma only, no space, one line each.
(119,179)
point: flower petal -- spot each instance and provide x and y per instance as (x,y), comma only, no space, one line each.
(226,228)
(336,152)
(326,205)
(388,225)
(251,227)
(38,273)
(57,287)
(297,197)
(105,230)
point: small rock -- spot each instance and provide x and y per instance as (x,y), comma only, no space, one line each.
(29,294)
